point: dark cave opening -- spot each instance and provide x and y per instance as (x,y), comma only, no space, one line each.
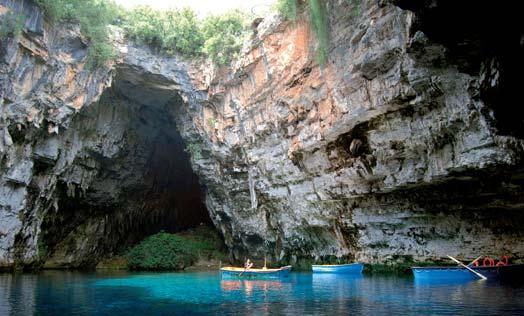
(482,39)
(133,178)
(169,187)
(174,186)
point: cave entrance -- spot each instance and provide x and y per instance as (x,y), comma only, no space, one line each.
(131,176)
(173,186)
(168,189)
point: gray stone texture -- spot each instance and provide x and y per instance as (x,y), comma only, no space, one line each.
(384,154)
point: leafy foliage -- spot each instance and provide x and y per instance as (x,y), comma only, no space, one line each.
(319,23)
(288,9)
(195,150)
(42,248)
(57,10)
(356,4)
(222,36)
(318,19)
(94,17)
(211,122)
(164,251)
(11,25)
(171,31)
(218,37)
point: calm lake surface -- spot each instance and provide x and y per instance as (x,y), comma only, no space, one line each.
(75,293)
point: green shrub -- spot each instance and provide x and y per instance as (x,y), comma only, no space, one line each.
(223,36)
(288,9)
(195,150)
(171,31)
(94,17)
(57,10)
(211,122)
(142,24)
(218,37)
(11,25)
(41,248)
(355,3)
(318,21)
(164,251)
(182,32)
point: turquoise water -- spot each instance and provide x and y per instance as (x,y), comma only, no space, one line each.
(74,293)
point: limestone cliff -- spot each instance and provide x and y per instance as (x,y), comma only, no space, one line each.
(89,163)
(396,149)
(389,152)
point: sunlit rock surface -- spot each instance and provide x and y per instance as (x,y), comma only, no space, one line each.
(388,153)
(391,151)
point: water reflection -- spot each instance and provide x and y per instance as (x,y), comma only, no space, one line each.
(342,291)
(249,286)
(231,285)
(15,289)
(442,282)
(257,295)
(67,293)
(335,279)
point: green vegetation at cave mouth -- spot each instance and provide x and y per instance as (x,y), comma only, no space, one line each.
(164,251)
(218,38)
(173,31)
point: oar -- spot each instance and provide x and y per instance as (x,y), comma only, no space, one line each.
(471,270)
(245,269)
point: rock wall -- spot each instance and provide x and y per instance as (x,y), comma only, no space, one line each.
(90,159)
(387,153)
(42,84)
(392,151)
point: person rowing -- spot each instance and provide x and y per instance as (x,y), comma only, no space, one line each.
(248,264)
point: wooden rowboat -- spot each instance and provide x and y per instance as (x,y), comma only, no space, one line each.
(338,268)
(234,272)
(452,273)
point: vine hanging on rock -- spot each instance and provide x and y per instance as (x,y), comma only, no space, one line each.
(319,21)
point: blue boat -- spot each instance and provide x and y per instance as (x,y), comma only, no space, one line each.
(236,273)
(452,273)
(338,268)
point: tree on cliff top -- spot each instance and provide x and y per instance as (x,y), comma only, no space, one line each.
(94,16)
(223,36)
(169,31)
(218,37)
